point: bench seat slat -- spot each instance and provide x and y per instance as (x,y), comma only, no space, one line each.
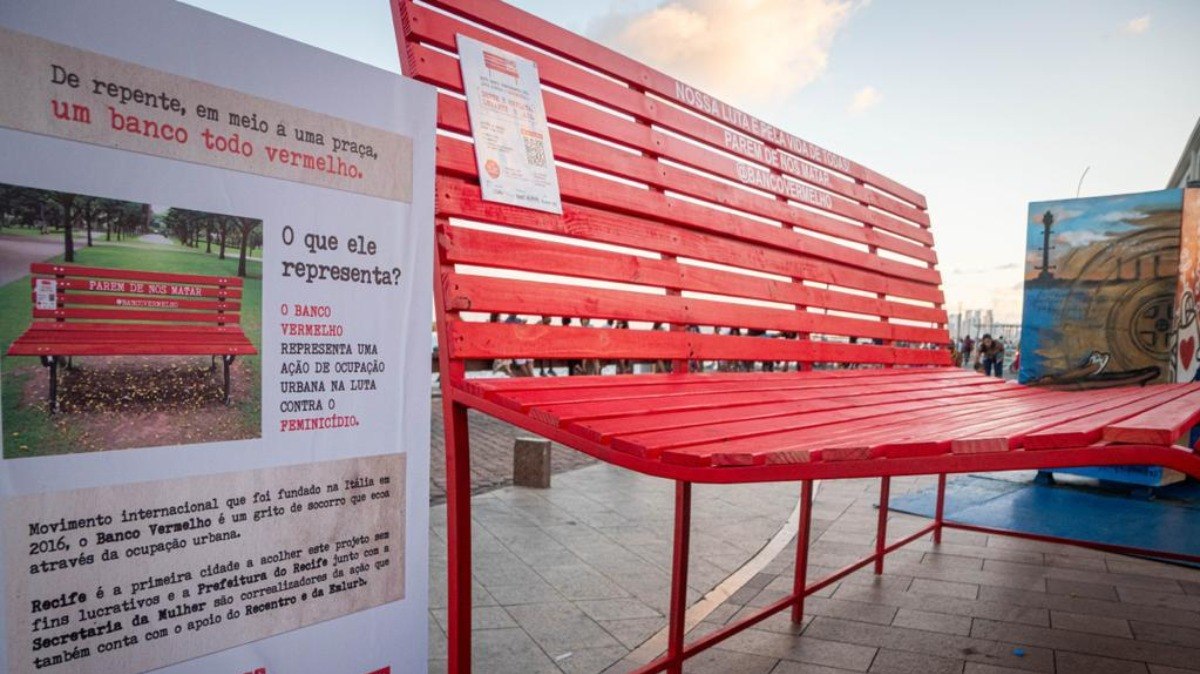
(1090,429)
(698,378)
(563,399)
(1160,425)
(740,407)
(484,294)
(140,349)
(760,438)
(51,327)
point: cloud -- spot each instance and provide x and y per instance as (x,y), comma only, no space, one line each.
(744,50)
(1080,237)
(1137,26)
(864,99)
(1122,216)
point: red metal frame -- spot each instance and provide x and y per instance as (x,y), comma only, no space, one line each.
(673,163)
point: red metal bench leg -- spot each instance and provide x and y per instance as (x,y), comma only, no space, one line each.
(458,536)
(683,524)
(800,582)
(885,485)
(940,513)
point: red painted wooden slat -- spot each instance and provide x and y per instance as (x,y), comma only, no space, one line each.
(494,340)
(601,381)
(760,435)
(50,327)
(560,401)
(456,159)
(442,70)
(122,315)
(563,43)
(740,407)
(70,270)
(488,294)
(1090,429)
(203,291)
(133,334)
(460,200)
(1007,435)
(138,302)
(440,31)
(605,403)
(1159,426)
(812,433)
(468,246)
(142,349)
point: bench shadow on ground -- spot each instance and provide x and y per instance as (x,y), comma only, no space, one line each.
(119,403)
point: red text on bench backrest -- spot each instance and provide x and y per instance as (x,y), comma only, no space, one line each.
(677,210)
(102,294)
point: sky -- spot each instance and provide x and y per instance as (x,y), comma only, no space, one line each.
(982,107)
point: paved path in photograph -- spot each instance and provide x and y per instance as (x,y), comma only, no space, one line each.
(155,238)
(18,252)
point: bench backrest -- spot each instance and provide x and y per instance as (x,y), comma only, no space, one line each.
(678,209)
(92,294)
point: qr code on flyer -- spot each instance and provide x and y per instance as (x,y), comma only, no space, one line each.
(535,148)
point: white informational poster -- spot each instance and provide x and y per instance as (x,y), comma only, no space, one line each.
(215,417)
(508,122)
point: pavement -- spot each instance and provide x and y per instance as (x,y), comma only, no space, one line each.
(575,579)
(17,252)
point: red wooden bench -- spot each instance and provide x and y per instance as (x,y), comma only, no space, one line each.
(681,210)
(93,311)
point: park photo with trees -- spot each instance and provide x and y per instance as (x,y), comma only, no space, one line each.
(158,397)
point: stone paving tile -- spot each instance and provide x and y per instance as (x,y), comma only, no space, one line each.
(816,651)
(560,627)
(1100,607)
(482,618)
(986,650)
(1075,663)
(1179,601)
(509,651)
(1080,622)
(790,667)
(1088,644)
(720,661)
(945,588)
(1162,669)
(1084,576)
(902,662)
(589,660)
(631,633)
(980,668)
(933,622)
(617,609)
(1080,589)
(1168,634)
(949,605)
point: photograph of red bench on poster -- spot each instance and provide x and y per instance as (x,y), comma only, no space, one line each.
(126,325)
